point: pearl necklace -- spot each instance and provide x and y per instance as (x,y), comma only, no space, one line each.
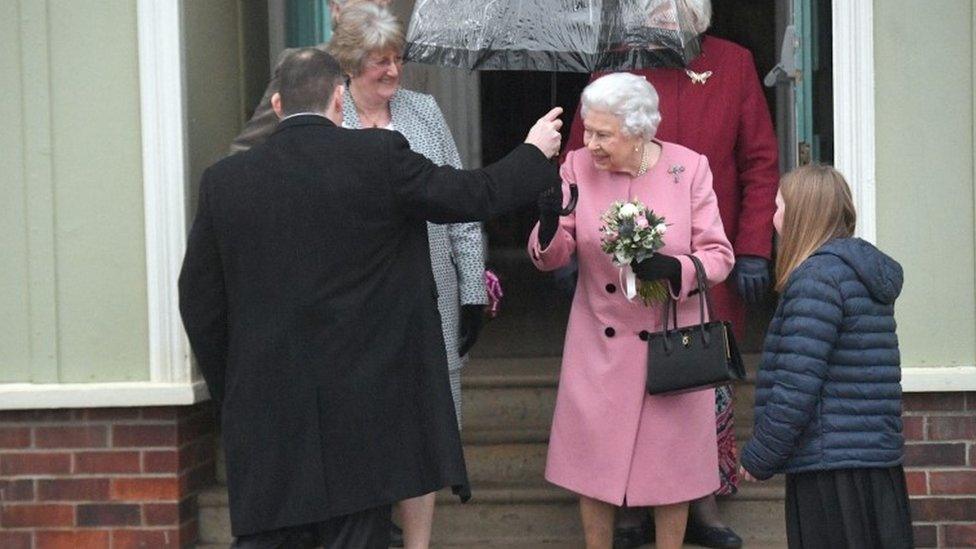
(644,161)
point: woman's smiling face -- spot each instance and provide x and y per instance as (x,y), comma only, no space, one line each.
(610,148)
(381,73)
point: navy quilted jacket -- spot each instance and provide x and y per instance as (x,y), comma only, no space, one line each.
(828,394)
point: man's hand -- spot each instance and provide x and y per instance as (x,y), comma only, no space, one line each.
(472,318)
(545,133)
(752,278)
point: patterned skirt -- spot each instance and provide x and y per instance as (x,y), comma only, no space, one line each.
(728,454)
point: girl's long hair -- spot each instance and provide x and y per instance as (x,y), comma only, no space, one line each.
(819,208)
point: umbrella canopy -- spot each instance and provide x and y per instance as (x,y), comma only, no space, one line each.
(552,35)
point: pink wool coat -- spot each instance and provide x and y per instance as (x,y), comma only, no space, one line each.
(610,440)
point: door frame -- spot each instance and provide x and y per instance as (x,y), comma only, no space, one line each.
(165,173)
(853,97)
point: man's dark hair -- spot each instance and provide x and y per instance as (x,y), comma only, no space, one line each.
(306,80)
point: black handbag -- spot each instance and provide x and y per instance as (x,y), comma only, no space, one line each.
(691,358)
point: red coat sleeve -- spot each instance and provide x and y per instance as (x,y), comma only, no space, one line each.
(757,164)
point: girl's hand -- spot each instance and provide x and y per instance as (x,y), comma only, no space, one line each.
(745,475)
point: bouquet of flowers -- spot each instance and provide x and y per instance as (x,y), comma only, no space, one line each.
(631,232)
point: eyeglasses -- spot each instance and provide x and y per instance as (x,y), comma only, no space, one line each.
(384,62)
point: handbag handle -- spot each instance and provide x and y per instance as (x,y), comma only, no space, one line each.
(702,289)
(703,300)
(671,305)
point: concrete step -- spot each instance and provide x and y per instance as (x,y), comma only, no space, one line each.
(517,514)
(520,456)
(502,544)
(494,513)
(512,462)
(508,408)
(502,455)
(540,370)
(509,515)
(508,405)
(511,372)
(509,393)
(520,393)
(553,544)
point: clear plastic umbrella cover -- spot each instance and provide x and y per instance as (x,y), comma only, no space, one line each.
(552,35)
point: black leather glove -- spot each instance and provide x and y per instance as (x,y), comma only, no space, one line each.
(472,319)
(752,277)
(550,205)
(659,267)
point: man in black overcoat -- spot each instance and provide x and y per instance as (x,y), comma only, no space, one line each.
(309,301)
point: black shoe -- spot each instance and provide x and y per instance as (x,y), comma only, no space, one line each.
(396,535)
(710,536)
(628,537)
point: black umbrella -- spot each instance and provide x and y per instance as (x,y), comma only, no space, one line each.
(552,35)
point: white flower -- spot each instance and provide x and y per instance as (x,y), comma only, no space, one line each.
(628,210)
(661,228)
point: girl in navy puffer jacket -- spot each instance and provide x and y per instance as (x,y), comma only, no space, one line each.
(828,394)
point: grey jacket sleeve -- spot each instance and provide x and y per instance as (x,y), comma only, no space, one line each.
(466,239)
(466,243)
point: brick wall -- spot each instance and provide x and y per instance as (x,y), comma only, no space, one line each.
(111,477)
(940,465)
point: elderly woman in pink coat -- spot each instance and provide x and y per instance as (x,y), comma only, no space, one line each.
(611,442)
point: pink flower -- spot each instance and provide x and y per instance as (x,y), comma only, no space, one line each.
(641,222)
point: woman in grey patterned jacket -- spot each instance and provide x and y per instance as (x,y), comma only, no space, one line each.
(368,43)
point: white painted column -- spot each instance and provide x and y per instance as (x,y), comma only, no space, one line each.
(854,129)
(164,166)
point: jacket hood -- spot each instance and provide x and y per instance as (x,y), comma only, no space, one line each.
(881,274)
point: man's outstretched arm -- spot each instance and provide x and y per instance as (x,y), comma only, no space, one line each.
(442,194)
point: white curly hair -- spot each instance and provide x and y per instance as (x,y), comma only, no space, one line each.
(630,98)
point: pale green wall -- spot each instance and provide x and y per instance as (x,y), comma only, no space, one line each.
(15,353)
(925,173)
(72,271)
(72,267)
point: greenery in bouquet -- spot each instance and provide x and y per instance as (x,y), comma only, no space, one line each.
(630,233)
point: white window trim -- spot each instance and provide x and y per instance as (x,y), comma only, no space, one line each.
(938,379)
(854,128)
(165,172)
(33,396)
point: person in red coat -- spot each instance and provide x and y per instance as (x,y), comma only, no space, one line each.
(717,108)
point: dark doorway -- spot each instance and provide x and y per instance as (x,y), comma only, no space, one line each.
(511,101)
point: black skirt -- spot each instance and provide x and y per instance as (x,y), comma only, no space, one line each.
(848,508)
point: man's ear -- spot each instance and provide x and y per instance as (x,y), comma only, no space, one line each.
(335,105)
(276,105)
